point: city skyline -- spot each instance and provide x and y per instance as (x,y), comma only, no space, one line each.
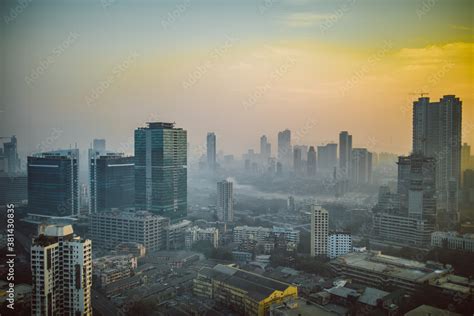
(300,69)
(251,157)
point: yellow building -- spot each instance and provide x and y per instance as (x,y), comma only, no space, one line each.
(245,292)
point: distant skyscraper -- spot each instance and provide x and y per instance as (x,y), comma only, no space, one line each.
(417,187)
(225,201)
(311,162)
(345,154)
(319,231)
(327,157)
(61,266)
(53,186)
(361,169)
(99,145)
(11,162)
(297,160)
(211,151)
(265,148)
(161,170)
(112,181)
(290,204)
(468,188)
(284,148)
(465,158)
(437,134)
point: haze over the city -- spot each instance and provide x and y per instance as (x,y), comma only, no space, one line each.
(103,68)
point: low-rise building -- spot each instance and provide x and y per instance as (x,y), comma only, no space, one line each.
(174,259)
(453,240)
(194,234)
(110,269)
(402,230)
(110,228)
(242,256)
(387,272)
(339,244)
(175,235)
(244,292)
(133,248)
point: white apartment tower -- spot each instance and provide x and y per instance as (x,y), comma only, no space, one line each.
(319,231)
(61,266)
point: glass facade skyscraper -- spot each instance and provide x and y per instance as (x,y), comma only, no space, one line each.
(53,186)
(112,181)
(161,170)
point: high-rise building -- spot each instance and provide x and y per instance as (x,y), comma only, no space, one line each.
(417,187)
(13,188)
(161,170)
(9,160)
(265,148)
(327,157)
(319,231)
(53,186)
(225,201)
(311,162)
(61,266)
(339,244)
(345,154)
(112,181)
(211,151)
(297,160)
(284,148)
(290,204)
(468,188)
(110,228)
(437,134)
(361,169)
(465,159)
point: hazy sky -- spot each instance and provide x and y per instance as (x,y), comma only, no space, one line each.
(77,70)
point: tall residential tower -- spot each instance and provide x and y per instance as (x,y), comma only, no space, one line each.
(61,266)
(437,134)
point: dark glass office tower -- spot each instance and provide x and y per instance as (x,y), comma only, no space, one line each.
(112,181)
(53,187)
(160,170)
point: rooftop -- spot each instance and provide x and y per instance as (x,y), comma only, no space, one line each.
(257,287)
(430,310)
(397,267)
